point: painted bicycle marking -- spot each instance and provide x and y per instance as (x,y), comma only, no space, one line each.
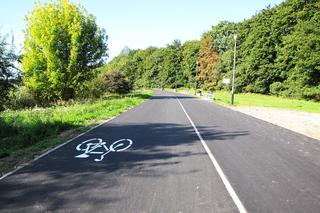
(96,146)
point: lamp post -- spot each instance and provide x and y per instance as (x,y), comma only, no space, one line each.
(234,68)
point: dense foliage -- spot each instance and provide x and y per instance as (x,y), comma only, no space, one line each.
(62,46)
(117,82)
(278,52)
(208,57)
(8,71)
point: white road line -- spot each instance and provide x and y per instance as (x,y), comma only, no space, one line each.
(223,177)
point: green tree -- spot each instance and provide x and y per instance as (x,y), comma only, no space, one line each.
(62,46)
(223,43)
(8,70)
(140,60)
(190,54)
(257,54)
(154,66)
(222,35)
(171,73)
(298,54)
(302,49)
(119,62)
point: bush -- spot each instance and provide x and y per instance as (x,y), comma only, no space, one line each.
(92,89)
(312,93)
(277,88)
(117,82)
(19,98)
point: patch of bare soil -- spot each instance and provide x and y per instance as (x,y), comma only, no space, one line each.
(302,122)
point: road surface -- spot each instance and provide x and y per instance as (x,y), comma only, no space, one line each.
(163,165)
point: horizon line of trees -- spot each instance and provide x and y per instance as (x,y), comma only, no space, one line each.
(278,53)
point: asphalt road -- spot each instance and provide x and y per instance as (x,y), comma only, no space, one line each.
(164,167)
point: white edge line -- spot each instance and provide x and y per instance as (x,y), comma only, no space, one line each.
(223,177)
(60,145)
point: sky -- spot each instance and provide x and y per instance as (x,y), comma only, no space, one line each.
(142,23)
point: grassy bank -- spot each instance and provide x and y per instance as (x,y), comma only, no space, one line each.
(259,100)
(26,133)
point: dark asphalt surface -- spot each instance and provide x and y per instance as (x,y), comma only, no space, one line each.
(167,170)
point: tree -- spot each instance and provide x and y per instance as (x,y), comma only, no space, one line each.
(154,66)
(302,49)
(8,71)
(171,72)
(62,46)
(277,52)
(139,60)
(256,53)
(208,58)
(298,54)
(117,82)
(190,54)
(222,35)
(223,42)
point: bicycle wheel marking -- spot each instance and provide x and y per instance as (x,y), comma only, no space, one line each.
(96,146)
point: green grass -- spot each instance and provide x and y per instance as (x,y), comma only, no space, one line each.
(27,133)
(259,100)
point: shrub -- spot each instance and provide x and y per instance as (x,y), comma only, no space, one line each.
(117,82)
(312,93)
(92,89)
(277,88)
(19,98)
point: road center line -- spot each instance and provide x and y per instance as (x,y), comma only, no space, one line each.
(223,177)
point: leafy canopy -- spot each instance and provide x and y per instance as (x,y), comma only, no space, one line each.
(8,70)
(62,46)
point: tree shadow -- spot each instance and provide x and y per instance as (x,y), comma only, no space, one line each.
(59,181)
(129,95)
(172,97)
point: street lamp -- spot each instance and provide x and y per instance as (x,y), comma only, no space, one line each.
(234,68)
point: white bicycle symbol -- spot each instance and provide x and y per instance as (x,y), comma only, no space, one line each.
(96,146)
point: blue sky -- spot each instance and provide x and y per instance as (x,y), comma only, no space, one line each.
(143,23)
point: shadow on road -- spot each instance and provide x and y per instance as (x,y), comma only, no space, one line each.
(172,97)
(60,181)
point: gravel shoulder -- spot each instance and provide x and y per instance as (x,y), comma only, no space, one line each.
(302,122)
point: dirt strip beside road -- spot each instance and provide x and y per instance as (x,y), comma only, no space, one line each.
(302,122)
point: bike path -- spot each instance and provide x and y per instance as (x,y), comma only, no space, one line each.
(165,169)
(271,169)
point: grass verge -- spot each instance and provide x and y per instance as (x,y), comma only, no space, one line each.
(25,134)
(258,100)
